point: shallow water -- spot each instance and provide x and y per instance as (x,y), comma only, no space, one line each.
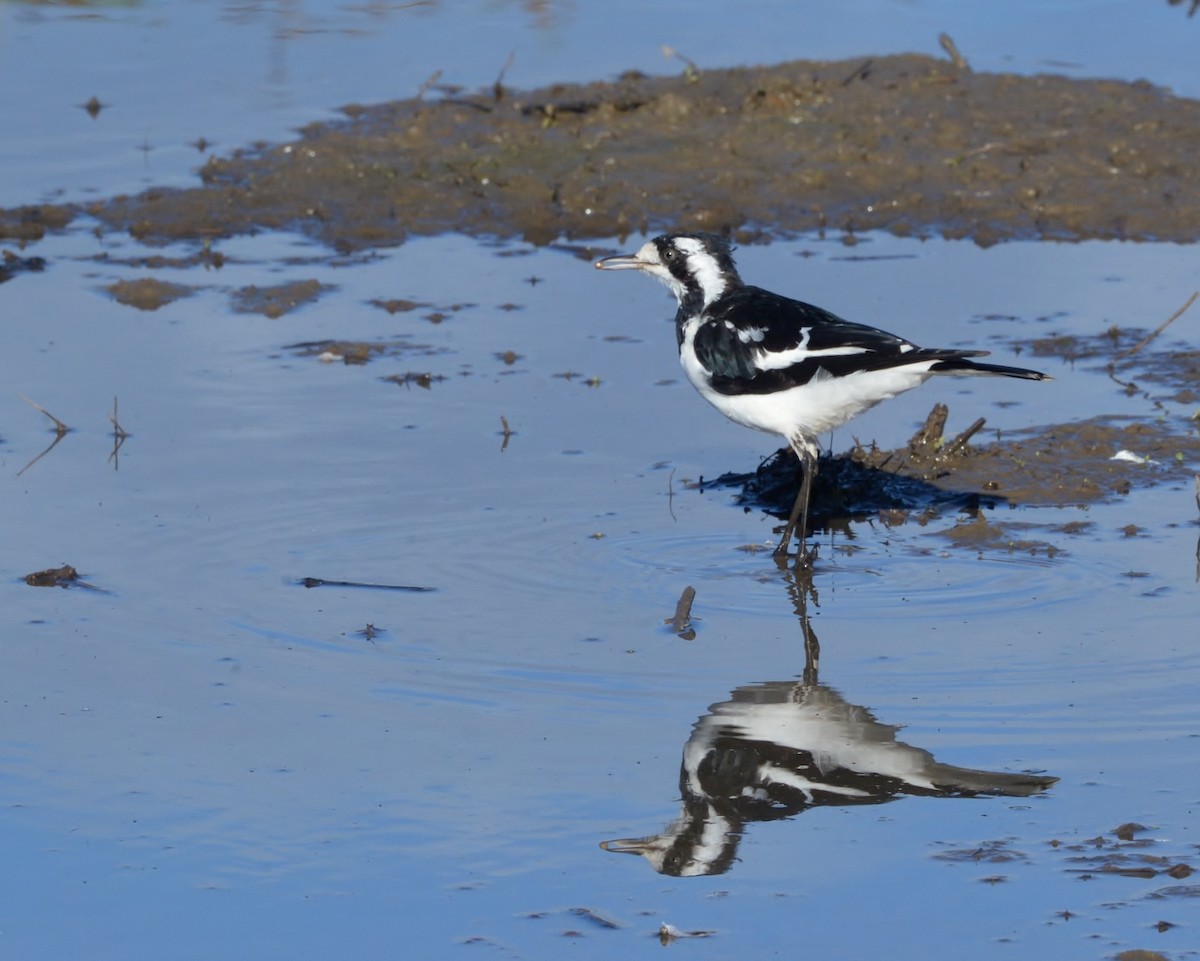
(179,81)
(203,758)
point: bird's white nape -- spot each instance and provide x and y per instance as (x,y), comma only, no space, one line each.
(703,267)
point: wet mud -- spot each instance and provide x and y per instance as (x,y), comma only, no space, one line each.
(274,302)
(147,293)
(12,264)
(1057,465)
(909,144)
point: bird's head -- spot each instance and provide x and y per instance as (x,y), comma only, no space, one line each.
(696,267)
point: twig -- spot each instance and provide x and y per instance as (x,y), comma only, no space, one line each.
(1161,327)
(118,431)
(930,433)
(959,442)
(952,52)
(59,427)
(428,84)
(681,622)
(322,582)
(498,86)
(861,72)
(691,71)
(53,444)
(119,437)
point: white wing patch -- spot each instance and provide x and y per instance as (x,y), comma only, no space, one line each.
(749,335)
(778,359)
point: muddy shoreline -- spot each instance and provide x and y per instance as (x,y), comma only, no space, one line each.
(909,144)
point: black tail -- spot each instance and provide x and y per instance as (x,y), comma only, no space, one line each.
(961,365)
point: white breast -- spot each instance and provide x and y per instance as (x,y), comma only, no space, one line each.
(806,411)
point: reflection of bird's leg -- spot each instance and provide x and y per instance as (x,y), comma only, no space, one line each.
(808,463)
(800,588)
(812,653)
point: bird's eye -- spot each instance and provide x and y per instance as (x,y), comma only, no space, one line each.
(669,254)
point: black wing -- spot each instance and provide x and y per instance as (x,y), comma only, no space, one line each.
(742,330)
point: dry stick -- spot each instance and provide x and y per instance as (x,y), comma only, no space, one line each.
(428,84)
(682,620)
(58,435)
(322,582)
(952,52)
(59,427)
(498,86)
(960,441)
(118,431)
(860,72)
(930,433)
(1161,327)
(692,72)
(120,435)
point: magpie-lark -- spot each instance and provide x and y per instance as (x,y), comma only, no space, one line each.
(780,365)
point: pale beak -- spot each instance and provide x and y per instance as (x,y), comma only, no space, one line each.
(627,845)
(622,262)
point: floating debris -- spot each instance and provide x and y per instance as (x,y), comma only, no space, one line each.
(93,106)
(12,264)
(53,577)
(681,620)
(423,379)
(598,919)
(1131,457)
(322,582)
(370,632)
(668,933)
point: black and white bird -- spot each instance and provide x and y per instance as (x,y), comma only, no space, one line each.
(780,365)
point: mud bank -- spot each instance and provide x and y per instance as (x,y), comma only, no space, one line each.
(908,144)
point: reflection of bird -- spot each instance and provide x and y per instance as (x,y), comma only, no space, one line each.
(776,749)
(779,365)
(773,750)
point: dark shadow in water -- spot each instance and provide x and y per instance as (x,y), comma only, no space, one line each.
(844,490)
(776,749)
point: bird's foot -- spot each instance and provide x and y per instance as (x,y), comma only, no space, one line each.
(806,559)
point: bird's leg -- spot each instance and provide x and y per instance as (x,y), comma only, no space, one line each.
(804,557)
